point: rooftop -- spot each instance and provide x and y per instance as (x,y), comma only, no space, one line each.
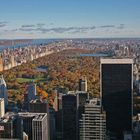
(94,102)
(116,61)
(9,116)
(38,101)
(37,116)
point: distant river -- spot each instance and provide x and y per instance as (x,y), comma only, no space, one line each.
(34,42)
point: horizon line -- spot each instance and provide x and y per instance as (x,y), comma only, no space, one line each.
(70,38)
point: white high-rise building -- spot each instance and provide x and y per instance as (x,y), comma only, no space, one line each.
(93,123)
(83,84)
(2,107)
(35,125)
(3,90)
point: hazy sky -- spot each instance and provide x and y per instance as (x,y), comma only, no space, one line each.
(69,18)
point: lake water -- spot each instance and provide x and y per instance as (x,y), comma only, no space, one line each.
(42,68)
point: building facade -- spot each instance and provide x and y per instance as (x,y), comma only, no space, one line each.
(35,125)
(40,127)
(83,84)
(11,127)
(69,117)
(93,122)
(41,106)
(31,91)
(2,107)
(3,90)
(116,80)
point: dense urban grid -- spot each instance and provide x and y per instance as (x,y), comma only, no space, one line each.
(76,112)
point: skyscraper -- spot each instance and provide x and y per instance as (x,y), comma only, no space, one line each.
(69,117)
(56,101)
(93,123)
(2,107)
(116,91)
(30,95)
(31,92)
(52,124)
(40,127)
(1,63)
(83,84)
(27,123)
(12,59)
(82,97)
(41,106)
(3,90)
(38,106)
(11,126)
(57,105)
(35,125)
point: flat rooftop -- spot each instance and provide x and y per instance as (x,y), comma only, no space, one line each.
(38,101)
(8,117)
(37,116)
(116,61)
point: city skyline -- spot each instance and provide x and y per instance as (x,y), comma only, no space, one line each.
(69,19)
(89,96)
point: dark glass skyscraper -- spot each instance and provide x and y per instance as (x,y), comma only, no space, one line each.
(38,106)
(116,91)
(31,92)
(69,117)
